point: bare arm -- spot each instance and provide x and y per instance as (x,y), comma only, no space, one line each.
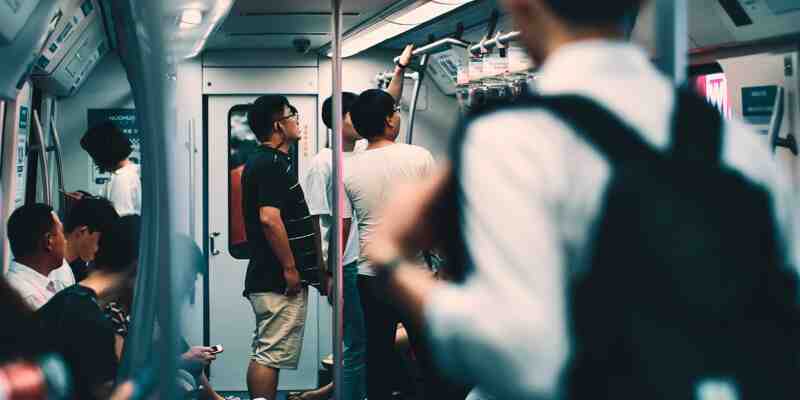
(396,85)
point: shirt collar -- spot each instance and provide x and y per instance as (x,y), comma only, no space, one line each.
(569,67)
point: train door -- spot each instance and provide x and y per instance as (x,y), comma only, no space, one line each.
(230,317)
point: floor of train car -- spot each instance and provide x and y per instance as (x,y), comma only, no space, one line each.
(408,383)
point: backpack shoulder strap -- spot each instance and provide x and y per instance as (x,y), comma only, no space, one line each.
(697,130)
(593,122)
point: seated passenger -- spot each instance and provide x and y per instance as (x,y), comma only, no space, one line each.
(37,242)
(110,149)
(83,226)
(80,331)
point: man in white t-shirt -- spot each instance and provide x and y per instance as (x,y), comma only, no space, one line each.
(370,179)
(110,149)
(319,196)
(37,240)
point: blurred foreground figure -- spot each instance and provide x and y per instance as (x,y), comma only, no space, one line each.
(624,241)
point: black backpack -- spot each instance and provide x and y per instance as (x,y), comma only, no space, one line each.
(688,293)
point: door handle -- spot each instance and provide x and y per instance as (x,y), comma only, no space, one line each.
(213,245)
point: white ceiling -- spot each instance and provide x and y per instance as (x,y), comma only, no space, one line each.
(275,24)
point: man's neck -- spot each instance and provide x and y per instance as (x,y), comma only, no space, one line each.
(348,146)
(377,143)
(70,253)
(561,38)
(37,263)
(283,147)
(122,164)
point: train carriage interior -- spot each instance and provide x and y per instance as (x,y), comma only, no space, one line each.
(179,78)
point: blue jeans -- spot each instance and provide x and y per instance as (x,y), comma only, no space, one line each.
(355,338)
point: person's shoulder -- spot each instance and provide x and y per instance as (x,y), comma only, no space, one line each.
(16,281)
(262,159)
(513,128)
(321,162)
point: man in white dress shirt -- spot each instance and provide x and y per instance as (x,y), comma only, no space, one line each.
(37,241)
(528,205)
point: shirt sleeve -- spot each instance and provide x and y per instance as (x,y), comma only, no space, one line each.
(317,187)
(519,265)
(347,212)
(272,185)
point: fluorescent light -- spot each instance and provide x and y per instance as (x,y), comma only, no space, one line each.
(213,19)
(190,18)
(396,24)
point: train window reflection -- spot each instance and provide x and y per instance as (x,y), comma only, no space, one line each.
(242,143)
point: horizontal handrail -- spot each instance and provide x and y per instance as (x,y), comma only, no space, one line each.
(436,47)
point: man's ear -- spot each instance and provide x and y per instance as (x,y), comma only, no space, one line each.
(388,121)
(48,241)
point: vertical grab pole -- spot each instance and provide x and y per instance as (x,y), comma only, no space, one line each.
(412,111)
(47,196)
(673,38)
(59,165)
(335,259)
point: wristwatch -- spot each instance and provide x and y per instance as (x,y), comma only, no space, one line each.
(400,65)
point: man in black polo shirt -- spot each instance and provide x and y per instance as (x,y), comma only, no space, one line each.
(283,239)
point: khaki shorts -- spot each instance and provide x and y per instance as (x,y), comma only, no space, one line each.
(280,323)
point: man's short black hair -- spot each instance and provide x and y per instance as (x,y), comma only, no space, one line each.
(118,248)
(348,98)
(264,112)
(96,213)
(594,13)
(107,145)
(369,112)
(27,226)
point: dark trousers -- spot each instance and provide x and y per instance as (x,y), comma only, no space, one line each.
(381,319)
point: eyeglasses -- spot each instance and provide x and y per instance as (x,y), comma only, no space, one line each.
(397,108)
(295,116)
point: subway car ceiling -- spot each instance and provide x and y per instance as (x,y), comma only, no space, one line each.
(59,64)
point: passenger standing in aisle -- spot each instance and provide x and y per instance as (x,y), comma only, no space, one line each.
(370,179)
(319,193)
(37,241)
(506,327)
(282,238)
(110,149)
